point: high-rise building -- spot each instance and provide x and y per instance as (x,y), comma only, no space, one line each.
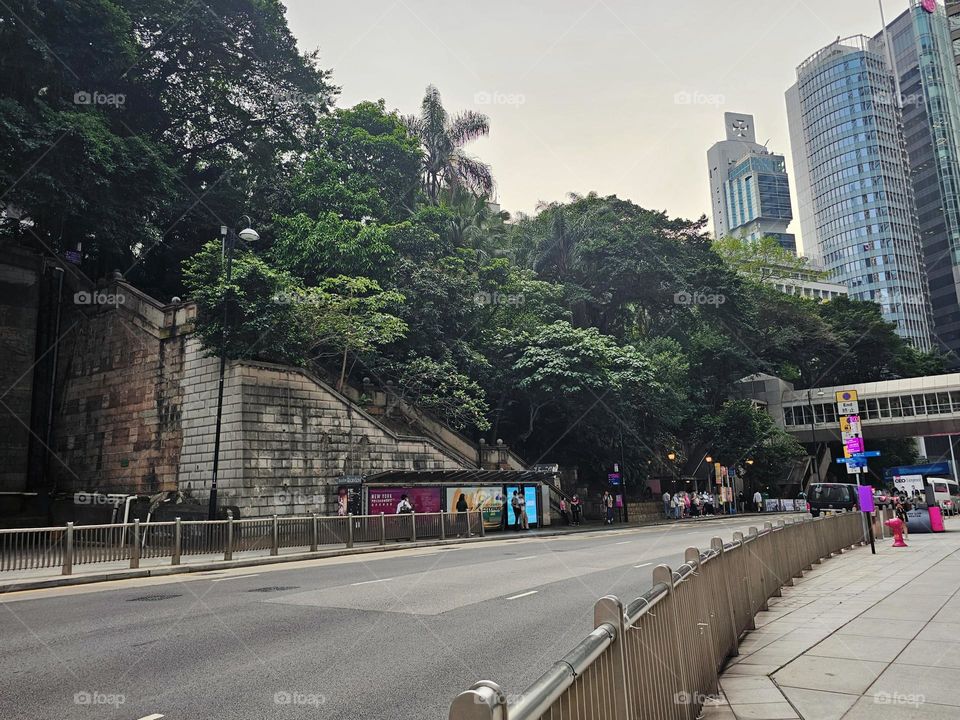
(953,21)
(749,189)
(848,140)
(923,57)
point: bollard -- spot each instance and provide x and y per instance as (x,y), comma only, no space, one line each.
(228,550)
(350,530)
(275,536)
(68,550)
(443,524)
(383,529)
(177,541)
(135,550)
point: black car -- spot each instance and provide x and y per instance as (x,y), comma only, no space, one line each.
(836,497)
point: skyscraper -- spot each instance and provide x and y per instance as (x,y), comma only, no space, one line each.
(750,193)
(848,139)
(923,57)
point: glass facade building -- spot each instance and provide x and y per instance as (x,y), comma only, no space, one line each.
(930,101)
(859,181)
(750,188)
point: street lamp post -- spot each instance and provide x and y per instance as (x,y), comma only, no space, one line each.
(813,433)
(248,234)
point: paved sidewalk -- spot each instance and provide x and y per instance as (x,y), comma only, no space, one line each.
(860,637)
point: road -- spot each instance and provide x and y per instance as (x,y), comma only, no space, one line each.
(372,638)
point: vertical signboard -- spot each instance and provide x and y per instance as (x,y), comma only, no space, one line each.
(848,411)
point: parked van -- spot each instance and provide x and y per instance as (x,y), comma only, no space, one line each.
(831,497)
(946,493)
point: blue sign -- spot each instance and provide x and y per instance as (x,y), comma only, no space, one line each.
(940,468)
(869,453)
(854,461)
(530,498)
(613,478)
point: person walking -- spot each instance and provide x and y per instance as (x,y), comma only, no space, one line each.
(563,511)
(515,504)
(666,505)
(524,522)
(741,500)
(758,501)
(900,508)
(404,506)
(576,508)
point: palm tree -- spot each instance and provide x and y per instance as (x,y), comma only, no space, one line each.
(445,165)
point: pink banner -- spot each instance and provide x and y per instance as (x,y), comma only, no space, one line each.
(423,499)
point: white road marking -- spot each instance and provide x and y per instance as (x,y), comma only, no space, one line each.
(625,542)
(236,577)
(644,565)
(368,582)
(530,592)
(528,557)
(155,716)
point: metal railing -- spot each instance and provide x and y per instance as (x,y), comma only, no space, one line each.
(660,656)
(72,545)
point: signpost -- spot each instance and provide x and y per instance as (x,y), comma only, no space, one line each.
(854,453)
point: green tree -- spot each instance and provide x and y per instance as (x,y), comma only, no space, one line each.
(445,164)
(764,259)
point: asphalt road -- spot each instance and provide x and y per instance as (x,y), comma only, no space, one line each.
(373,638)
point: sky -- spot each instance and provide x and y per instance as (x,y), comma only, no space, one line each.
(616,96)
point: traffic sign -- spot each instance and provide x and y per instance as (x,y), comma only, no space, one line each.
(846,396)
(852,461)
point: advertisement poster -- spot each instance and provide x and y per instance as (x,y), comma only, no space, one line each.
(530,495)
(423,499)
(489,500)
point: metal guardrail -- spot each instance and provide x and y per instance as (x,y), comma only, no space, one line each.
(659,657)
(66,547)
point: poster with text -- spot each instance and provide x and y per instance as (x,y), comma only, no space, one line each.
(489,500)
(423,499)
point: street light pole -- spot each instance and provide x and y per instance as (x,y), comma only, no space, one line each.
(813,433)
(249,235)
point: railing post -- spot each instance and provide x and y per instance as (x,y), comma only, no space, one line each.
(443,524)
(413,526)
(313,532)
(383,529)
(677,653)
(177,541)
(745,580)
(716,544)
(484,701)
(275,536)
(609,611)
(483,530)
(135,548)
(68,550)
(228,550)
(469,529)
(350,530)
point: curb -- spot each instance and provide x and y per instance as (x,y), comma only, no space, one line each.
(163,570)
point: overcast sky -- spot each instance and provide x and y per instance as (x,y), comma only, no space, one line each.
(619,96)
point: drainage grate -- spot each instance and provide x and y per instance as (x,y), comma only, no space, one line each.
(274,588)
(154,598)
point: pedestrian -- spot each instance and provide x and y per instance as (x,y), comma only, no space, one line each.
(404,506)
(524,522)
(666,505)
(686,504)
(675,504)
(696,505)
(758,501)
(563,511)
(576,508)
(608,506)
(900,511)
(462,507)
(741,507)
(516,503)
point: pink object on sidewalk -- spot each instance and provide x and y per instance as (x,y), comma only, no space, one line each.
(896,524)
(936,519)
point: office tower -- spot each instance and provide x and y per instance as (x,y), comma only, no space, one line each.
(923,57)
(749,189)
(849,142)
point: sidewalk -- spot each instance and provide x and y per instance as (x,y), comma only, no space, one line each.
(860,637)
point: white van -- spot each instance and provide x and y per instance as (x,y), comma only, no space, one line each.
(947,494)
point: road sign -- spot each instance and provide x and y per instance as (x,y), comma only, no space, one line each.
(854,445)
(852,461)
(870,453)
(846,396)
(613,478)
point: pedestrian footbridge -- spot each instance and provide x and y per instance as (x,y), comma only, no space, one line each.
(909,407)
